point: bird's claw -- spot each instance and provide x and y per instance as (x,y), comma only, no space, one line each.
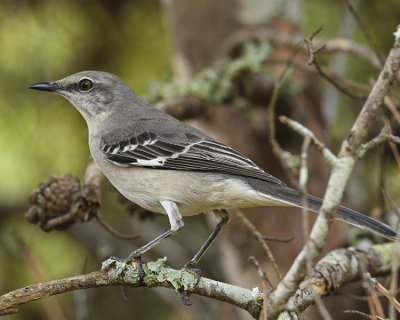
(139,265)
(190,266)
(185,298)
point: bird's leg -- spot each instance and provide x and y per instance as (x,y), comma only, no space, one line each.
(176,221)
(191,265)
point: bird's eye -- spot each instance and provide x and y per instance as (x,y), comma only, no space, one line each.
(85,85)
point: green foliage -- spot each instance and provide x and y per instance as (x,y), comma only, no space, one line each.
(215,84)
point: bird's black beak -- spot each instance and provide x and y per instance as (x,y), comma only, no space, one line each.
(45,86)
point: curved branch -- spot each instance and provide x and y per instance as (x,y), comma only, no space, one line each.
(114,273)
(331,45)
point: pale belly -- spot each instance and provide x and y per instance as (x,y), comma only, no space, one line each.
(193,192)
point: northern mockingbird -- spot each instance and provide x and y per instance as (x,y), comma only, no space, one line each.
(169,167)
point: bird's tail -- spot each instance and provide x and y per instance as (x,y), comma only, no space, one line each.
(356,219)
(294,198)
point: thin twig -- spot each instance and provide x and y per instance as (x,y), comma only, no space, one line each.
(374,304)
(363,298)
(264,281)
(277,239)
(379,139)
(350,85)
(112,230)
(337,82)
(313,51)
(392,107)
(329,76)
(375,283)
(91,191)
(282,155)
(305,132)
(392,146)
(260,238)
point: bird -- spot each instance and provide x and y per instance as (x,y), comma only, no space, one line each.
(169,167)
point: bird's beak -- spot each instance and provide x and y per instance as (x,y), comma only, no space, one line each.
(45,86)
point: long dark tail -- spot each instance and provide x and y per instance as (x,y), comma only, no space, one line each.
(293,197)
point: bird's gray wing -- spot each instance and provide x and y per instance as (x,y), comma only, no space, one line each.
(181,151)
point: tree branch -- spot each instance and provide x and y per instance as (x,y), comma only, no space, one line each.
(305,132)
(381,138)
(114,273)
(347,158)
(337,268)
(280,39)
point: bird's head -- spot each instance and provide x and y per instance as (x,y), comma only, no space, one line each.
(94,93)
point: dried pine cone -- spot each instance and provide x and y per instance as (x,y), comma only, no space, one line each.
(53,199)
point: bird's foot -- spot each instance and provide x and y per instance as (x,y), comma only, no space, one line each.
(185,298)
(130,260)
(191,267)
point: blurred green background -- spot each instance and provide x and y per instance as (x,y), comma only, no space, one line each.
(47,40)
(42,135)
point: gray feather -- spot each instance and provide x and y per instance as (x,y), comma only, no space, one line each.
(184,149)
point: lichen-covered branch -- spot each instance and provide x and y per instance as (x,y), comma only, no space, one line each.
(114,273)
(339,267)
(383,137)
